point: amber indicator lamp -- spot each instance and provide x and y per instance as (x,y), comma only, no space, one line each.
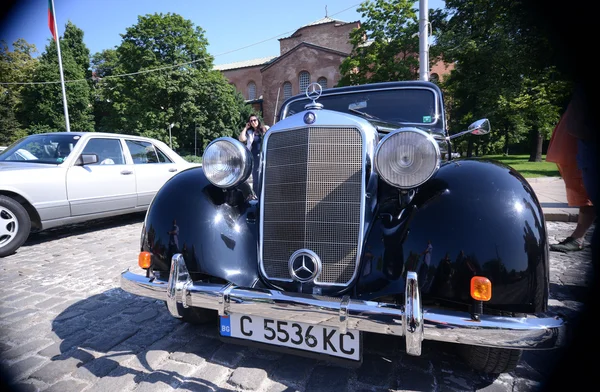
(144,261)
(481,288)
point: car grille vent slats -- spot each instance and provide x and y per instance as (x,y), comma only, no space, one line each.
(312,200)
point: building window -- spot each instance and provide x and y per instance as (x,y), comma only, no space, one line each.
(287,90)
(251,91)
(323,82)
(303,81)
(435,78)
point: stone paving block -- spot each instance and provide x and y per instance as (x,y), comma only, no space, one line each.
(197,351)
(104,342)
(67,386)
(210,375)
(328,378)
(251,373)
(55,370)
(120,379)
(23,368)
(96,368)
(292,369)
(229,354)
(25,349)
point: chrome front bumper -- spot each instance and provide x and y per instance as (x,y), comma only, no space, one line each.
(411,320)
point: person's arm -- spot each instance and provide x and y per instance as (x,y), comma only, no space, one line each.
(244,135)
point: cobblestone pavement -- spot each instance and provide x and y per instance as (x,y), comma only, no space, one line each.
(65,325)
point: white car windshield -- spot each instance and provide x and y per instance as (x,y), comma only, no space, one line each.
(42,148)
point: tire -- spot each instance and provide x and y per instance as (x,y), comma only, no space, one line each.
(490,360)
(197,315)
(15,225)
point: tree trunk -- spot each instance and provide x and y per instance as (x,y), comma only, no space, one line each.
(470,147)
(537,141)
(506,141)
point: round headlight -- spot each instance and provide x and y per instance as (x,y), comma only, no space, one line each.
(226,162)
(407,158)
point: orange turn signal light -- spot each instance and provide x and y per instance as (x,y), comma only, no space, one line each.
(481,288)
(144,259)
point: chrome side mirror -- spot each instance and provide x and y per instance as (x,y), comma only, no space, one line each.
(479,127)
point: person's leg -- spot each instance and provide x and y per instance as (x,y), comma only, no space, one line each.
(576,197)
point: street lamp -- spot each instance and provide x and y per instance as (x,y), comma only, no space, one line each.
(170,141)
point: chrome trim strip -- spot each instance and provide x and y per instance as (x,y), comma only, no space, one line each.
(527,333)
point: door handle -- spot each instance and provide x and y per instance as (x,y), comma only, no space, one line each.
(126,172)
(173,169)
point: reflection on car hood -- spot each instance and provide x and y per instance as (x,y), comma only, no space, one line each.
(5,166)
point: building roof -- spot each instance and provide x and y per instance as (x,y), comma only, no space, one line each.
(302,45)
(246,63)
(324,20)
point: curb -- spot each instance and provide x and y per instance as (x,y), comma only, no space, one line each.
(560,217)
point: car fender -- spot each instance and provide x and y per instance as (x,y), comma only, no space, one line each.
(480,218)
(217,229)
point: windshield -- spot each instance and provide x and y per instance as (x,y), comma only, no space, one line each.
(41,149)
(412,106)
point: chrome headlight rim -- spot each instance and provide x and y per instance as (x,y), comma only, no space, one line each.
(390,135)
(245,157)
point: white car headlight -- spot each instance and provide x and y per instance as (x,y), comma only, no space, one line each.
(406,158)
(226,162)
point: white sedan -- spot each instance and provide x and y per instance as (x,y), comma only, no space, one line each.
(53,179)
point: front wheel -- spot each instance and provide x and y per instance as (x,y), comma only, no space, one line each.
(15,225)
(490,360)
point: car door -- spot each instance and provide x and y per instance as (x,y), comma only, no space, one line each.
(107,185)
(152,169)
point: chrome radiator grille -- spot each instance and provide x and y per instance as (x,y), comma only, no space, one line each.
(312,200)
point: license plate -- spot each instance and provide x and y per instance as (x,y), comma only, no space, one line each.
(294,334)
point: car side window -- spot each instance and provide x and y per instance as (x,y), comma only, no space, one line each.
(109,151)
(143,152)
(162,157)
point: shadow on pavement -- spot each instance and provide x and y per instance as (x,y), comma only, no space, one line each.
(84,227)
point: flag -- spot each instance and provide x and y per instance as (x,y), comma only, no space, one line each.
(51,22)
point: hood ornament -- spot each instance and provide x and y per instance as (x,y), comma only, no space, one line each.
(313,92)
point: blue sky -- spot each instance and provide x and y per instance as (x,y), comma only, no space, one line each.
(236,29)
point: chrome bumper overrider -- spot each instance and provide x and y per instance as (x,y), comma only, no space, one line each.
(410,320)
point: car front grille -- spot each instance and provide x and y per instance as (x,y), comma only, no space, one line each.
(312,200)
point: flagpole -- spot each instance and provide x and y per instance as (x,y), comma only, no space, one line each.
(60,67)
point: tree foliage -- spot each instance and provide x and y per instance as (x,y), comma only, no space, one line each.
(385,46)
(15,67)
(185,91)
(501,59)
(42,106)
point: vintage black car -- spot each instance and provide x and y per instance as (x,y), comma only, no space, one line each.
(363,223)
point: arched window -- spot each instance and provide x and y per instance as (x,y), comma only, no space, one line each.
(434,78)
(287,90)
(303,81)
(323,82)
(251,91)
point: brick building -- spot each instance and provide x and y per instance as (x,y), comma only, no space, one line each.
(313,53)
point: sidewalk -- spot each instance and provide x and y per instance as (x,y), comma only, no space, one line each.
(553,198)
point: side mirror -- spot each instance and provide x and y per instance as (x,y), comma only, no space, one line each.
(86,159)
(479,127)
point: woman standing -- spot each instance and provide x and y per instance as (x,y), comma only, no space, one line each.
(252,135)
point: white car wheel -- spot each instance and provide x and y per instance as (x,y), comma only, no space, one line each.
(15,225)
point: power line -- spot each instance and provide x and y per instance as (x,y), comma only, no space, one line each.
(169,66)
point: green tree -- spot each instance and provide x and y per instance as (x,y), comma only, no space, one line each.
(169,81)
(103,65)
(499,54)
(385,46)
(15,67)
(42,107)
(72,42)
